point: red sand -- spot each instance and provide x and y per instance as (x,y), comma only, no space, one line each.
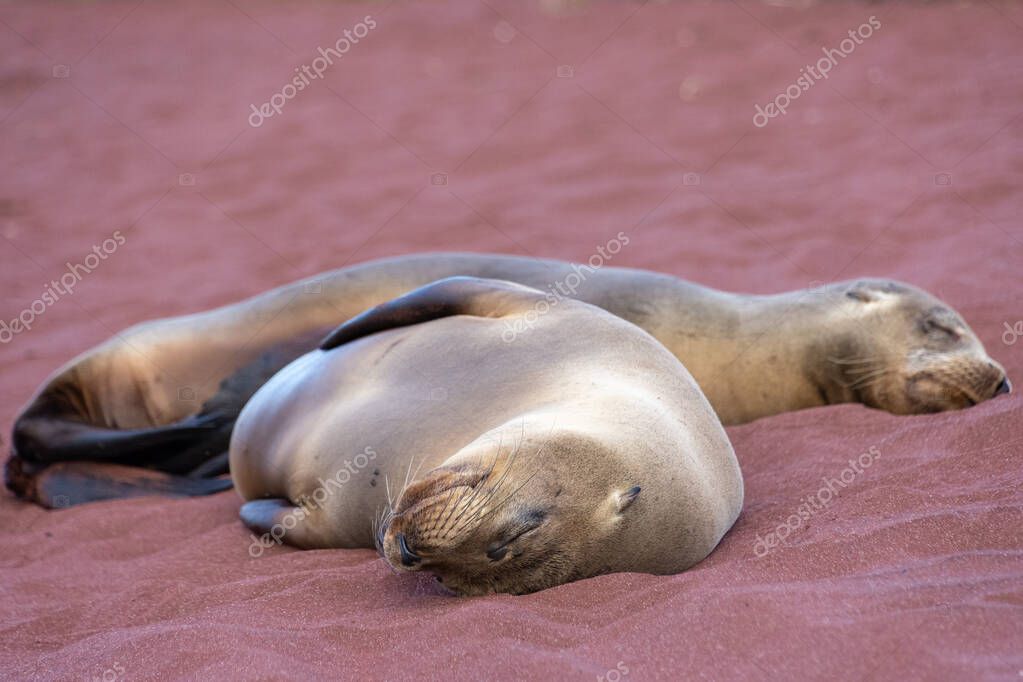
(912,572)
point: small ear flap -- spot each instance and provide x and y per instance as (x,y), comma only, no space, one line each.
(628,497)
(859,292)
(443,298)
(874,290)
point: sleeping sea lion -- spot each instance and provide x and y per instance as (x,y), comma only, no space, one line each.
(583,448)
(163,395)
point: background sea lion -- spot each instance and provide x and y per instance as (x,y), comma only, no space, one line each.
(584,448)
(164,394)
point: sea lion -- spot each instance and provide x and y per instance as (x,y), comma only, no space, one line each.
(164,394)
(585,448)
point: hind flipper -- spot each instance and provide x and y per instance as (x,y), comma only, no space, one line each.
(215,466)
(51,439)
(444,298)
(66,484)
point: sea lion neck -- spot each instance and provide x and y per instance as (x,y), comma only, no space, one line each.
(811,328)
(771,354)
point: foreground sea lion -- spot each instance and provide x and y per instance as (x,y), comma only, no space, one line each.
(584,448)
(163,395)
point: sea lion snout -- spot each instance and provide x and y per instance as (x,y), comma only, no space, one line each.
(428,516)
(398,549)
(997,382)
(942,383)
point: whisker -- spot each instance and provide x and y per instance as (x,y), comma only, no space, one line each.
(510,495)
(860,370)
(377,524)
(415,474)
(452,528)
(504,475)
(409,482)
(478,486)
(408,472)
(868,379)
(445,527)
(442,525)
(872,373)
(855,375)
(483,504)
(852,360)
(461,507)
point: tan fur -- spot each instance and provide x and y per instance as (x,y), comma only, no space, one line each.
(753,356)
(475,435)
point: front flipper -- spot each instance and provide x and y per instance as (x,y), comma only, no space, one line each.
(66,484)
(277,521)
(443,298)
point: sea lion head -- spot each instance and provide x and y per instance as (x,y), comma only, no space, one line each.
(907,352)
(507,525)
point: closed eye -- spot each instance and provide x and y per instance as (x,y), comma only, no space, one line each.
(497,550)
(934,327)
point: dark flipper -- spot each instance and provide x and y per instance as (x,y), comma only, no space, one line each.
(52,431)
(261,515)
(277,521)
(66,484)
(443,298)
(215,466)
(51,439)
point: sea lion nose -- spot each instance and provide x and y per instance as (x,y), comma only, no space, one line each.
(408,557)
(1004,387)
